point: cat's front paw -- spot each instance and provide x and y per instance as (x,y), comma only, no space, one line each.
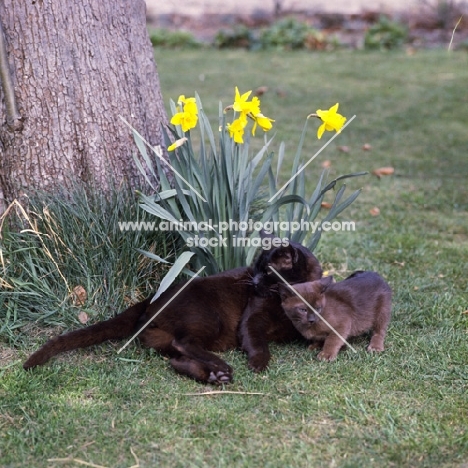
(326,356)
(259,362)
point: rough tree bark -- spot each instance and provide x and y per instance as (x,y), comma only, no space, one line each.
(75,67)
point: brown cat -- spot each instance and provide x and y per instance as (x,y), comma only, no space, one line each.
(358,304)
(203,318)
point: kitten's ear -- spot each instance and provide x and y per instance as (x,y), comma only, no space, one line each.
(284,291)
(266,235)
(325,282)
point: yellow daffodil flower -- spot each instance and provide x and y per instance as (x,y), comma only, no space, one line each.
(263,122)
(176,144)
(246,109)
(236,128)
(243,106)
(331,120)
(188,117)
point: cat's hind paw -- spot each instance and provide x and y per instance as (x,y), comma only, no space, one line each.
(220,377)
(210,373)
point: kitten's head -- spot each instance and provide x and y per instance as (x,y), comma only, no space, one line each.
(298,311)
(292,261)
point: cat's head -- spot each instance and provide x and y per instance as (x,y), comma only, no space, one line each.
(297,309)
(294,262)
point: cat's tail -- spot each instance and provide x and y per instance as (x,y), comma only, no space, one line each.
(119,327)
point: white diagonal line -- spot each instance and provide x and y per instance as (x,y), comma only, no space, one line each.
(310,160)
(311,308)
(160,310)
(162,159)
(453,33)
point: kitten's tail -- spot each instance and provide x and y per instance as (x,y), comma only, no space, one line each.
(119,327)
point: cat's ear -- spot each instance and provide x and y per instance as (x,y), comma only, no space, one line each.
(284,291)
(295,254)
(325,282)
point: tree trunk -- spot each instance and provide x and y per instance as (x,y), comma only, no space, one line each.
(75,66)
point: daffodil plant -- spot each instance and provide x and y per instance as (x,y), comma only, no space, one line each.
(224,185)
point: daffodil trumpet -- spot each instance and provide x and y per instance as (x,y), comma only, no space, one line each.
(331,120)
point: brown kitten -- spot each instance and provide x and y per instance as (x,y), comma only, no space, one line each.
(358,304)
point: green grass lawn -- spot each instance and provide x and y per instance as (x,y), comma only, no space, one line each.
(406,407)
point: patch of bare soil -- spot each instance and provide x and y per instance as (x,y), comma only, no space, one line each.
(8,355)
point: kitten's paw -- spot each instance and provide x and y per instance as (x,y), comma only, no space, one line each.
(315,345)
(376,343)
(325,356)
(259,362)
(372,348)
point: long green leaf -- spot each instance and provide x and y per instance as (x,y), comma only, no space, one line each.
(142,170)
(336,208)
(153,256)
(170,194)
(346,176)
(172,274)
(159,211)
(281,201)
(281,151)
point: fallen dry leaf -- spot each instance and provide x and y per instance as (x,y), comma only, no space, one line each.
(383,171)
(79,295)
(366,147)
(465,313)
(374,211)
(83,317)
(343,149)
(326,163)
(326,205)
(281,93)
